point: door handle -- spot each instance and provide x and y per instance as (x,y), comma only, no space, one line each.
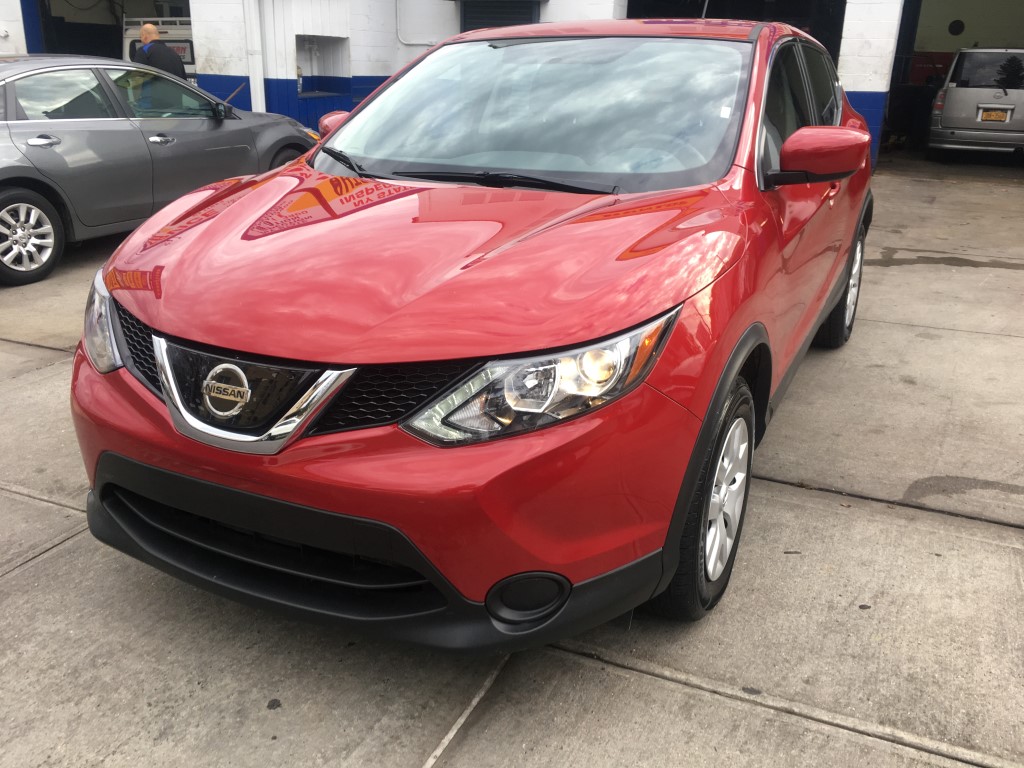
(161,139)
(44,140)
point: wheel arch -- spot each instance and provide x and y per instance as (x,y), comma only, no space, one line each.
(52,195)
(750,357)
(868,212)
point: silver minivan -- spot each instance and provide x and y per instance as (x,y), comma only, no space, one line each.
(981,105)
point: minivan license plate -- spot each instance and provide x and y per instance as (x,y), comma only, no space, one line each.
(993,116)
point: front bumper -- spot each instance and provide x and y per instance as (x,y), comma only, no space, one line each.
(588,502)
(410,601)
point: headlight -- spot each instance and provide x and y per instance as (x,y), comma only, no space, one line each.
(508,397)
(99,333)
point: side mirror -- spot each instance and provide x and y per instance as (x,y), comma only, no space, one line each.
(330,121)
(821,153)
(222,111)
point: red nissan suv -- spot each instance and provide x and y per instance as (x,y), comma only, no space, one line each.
(487,366)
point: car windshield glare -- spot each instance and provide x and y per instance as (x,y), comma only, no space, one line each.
(637,113)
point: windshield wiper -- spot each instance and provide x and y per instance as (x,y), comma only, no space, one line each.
(500,179)
(348,162)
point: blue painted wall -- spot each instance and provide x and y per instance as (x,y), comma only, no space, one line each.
(871,105)
(319,96)
(33,26)
(223,86)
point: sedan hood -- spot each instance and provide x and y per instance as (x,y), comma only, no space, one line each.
(301,265)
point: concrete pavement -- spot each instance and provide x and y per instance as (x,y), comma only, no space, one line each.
(882,627)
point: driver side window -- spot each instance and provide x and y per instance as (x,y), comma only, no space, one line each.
(147,94)
(786,107)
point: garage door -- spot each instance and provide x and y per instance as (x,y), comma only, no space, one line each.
(477,14)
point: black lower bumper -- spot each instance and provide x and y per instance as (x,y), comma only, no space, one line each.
(323,565)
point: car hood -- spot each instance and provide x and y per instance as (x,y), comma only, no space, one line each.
(302,265)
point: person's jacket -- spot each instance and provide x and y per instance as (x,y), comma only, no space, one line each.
(158,55)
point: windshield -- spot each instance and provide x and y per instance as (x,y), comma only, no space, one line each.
(989,69)
(629,112)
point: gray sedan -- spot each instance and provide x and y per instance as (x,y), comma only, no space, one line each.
(93,147)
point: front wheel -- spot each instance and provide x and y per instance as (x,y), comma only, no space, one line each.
(284,156)
(31,237)
(838,326)
(714,519)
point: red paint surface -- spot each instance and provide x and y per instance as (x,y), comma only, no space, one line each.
(296,264)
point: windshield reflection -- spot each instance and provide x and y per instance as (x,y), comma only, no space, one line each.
(640,113)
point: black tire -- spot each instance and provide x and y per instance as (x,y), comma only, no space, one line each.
(693,592)
(283,156)
(836,330)
(24,232)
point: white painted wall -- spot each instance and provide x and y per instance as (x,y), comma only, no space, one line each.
(12,30)
(869,44)
(284,19)
(218,34)
(567,10)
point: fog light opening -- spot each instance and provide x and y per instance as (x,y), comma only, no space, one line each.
(527,598)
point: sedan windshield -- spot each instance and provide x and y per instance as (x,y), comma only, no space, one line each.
(587,114)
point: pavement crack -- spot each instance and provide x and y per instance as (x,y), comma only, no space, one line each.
(905,504)
(18,491)
(64,350)
(940,328)
(774,703)
(453,731)
(63,540)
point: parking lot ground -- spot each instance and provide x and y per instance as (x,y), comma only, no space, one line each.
(875,614)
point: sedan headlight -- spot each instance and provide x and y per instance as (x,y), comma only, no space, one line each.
(99,333)
(508,397)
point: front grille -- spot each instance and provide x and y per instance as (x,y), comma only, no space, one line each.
(138,347)
(285,571)
(274,389)
(375,396)
(383,394)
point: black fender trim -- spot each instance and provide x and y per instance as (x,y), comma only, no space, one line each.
(753,337)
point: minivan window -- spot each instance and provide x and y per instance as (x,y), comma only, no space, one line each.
(989,69)
(634,112)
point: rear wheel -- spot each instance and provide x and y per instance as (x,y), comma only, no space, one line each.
(714,519)
(838,326)
(31,237)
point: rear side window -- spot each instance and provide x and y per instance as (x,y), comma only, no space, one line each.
(824,86)
(989,69)
(73,94)
(786,108)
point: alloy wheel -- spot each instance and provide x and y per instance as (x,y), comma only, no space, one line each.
(727,499)
(853,289)
(26,237)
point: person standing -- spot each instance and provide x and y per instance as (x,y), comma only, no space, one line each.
(153,52)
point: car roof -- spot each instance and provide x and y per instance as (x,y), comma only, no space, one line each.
(15,65)
(717,29)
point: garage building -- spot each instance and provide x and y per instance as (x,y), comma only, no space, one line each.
(304,58)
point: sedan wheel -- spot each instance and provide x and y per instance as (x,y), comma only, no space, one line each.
(31,237)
